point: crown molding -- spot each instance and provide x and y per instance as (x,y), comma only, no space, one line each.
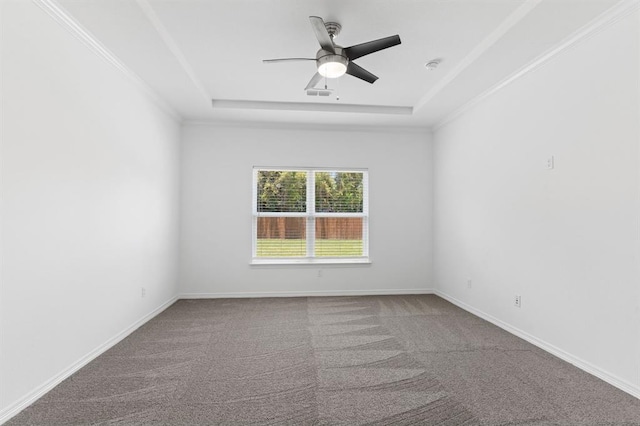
(62,17)
(312,106)
(604,20)
(171,44)
(325,127)
(504,27)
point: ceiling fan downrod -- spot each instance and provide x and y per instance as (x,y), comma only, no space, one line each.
(333,28)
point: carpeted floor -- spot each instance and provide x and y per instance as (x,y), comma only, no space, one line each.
(373,360)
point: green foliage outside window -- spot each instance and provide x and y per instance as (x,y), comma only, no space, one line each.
(282,191)
(334,221)
(286,191)
(339,192)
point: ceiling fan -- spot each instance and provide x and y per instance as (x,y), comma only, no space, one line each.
(332,60)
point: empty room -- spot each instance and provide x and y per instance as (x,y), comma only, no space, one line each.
(320,212)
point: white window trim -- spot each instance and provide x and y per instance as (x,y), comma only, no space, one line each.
(311,214)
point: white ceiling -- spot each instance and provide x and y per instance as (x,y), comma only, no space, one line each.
(193,52)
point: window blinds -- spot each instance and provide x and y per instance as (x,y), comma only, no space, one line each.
(310,214)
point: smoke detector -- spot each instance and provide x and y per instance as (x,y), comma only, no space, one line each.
(432,65)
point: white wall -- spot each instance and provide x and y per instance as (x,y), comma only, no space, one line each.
(216,216)
(567,239)
(89,203)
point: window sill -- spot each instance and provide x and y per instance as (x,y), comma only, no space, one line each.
(311,261)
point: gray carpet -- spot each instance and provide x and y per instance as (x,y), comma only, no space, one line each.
(375,360)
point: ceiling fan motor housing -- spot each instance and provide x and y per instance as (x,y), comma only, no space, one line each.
(334,61)
(332,65)
(333,28)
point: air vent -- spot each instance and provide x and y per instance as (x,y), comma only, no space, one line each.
(315,92)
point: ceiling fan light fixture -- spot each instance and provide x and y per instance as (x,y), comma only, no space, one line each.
(333,61)
(332,66)
(332,69)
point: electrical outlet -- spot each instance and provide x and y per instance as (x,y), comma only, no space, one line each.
(319,273)
(550,163)
(143,293)
(469,283)
(517,301)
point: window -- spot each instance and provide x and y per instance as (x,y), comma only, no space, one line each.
(310,216)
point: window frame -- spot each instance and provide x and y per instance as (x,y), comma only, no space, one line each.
(311,216)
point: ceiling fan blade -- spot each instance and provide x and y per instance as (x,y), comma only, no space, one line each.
(314,80)
(360,50)
(321,33)
(359,72)
(271,61)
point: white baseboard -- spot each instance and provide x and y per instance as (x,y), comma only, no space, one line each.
(32,396)
(307,293)
(28,399)
(612,379)
(38,392)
